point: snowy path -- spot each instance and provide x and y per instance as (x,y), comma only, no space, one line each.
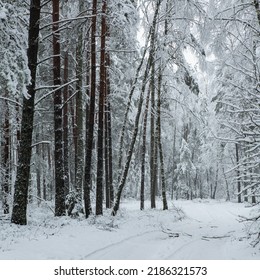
(210,230)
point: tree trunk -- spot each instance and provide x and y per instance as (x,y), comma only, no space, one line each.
(238,175)
(66,126)
(79,156)
(88,66)
(216,183)
(154,138)
(38,169)
(25,149)
(144,153)
(106,154)
(159,133)
(257,8)
(6,160)
(246,177)
(60,209)
(109,134)
(153,148)
(110,155)
(108,142)
(75,146)
(100,143)
(91,118)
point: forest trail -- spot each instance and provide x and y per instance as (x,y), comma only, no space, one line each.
(210,230)
(189,230)
(216,232)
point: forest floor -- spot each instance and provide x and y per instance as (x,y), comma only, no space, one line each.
(199,229)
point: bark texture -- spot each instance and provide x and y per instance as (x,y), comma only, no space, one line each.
(60,209)
(25,149)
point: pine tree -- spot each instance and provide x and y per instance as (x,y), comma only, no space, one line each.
(58,156)
(6,160)
(102,94)
(91,117)
(24,157)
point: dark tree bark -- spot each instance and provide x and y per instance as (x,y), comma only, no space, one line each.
(257,8)
(159,133)
(154,138)
(108,121)
(106,151)
(144,153)
(88,66)
(110,151)
(102,93)
(66,126)
(107,184)
(91,117)
(79,156)
(24,156)
(153,147)
(60,209)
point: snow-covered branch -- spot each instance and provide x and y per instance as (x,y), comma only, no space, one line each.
(11,101)
(51,92)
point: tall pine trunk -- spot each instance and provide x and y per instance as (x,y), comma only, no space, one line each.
(109,134)
(79,156)
(60,209)
(159,139)
(66,126)
(6,159)
(153,147)
(144,153)
(100,142)
(25,149)
(91,117)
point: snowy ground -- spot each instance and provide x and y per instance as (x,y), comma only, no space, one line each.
(189,230)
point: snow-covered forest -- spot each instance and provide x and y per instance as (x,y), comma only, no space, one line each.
(130,120)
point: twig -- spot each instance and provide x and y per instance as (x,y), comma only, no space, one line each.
(175,234)
(215,237)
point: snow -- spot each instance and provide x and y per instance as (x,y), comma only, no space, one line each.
(199,229)
(3,13)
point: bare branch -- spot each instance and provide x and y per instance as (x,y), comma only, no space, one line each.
(40,143)
(11,101)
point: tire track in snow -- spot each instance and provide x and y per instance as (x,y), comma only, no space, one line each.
(116,244)
(219,223)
